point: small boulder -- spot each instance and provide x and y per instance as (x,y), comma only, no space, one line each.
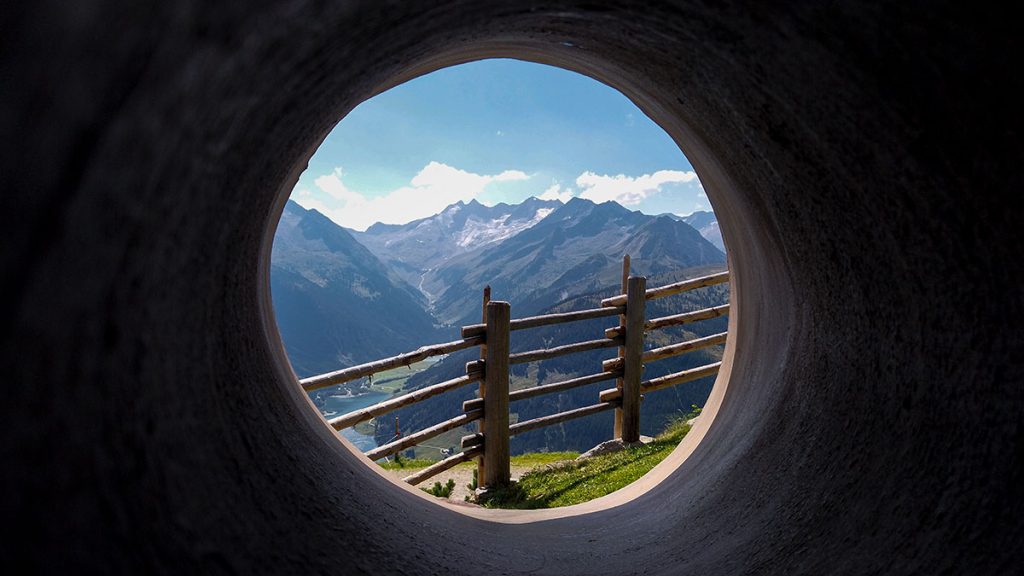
(610,446)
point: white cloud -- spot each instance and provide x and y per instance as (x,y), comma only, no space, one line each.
(334,187)
(627,190)
(556,192)
(435,186)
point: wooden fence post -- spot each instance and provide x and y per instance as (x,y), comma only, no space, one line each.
(617,432)
(632,361)
(496,432)
(483,388)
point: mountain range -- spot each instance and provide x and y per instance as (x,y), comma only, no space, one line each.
(413,250)
(533,254)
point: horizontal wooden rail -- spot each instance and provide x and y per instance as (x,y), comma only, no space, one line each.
(546,320)
(364,414)
(418,355)
(477,403)
(671,289)
(548,353)
(670,350)
(425,434)
(449,462)
(613,394)
(674,320)
(520,427)
(561,386)
(680,377)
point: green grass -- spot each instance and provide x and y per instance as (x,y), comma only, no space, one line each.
(392,381)
(579,481)
(365,428)
(558,479)
(429,449)
(542,458)
(522,460)
(405,464)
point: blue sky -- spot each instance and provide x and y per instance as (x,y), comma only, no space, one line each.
(496,131)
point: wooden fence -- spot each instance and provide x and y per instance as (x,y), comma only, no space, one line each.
(490,445)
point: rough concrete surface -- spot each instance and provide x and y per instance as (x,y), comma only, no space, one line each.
(864,160)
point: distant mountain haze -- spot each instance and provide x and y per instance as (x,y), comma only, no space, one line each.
(337,304)
(707,224)
(422,245)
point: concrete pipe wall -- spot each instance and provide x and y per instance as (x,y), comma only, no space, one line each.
(864,161)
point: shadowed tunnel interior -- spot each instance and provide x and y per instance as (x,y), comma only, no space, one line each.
(864,162)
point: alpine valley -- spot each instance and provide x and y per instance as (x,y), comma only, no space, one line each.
(343,297)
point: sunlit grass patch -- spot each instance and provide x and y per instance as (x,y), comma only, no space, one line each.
(575,482)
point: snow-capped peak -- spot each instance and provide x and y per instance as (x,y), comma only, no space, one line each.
(477,233)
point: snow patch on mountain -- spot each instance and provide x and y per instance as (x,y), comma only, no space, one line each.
(477,232)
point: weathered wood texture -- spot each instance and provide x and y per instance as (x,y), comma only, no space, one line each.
(674,320)
(357,416)
(632,364)
(613,394)
(623,287)
(561,386)
(671,289)
(548,353)
(496,433)
(354,372)
(447,463)
(680,377)
(471,441)
(671,350)
(478,403)
(526,426)
(481,389)
(546,320)
(425,434)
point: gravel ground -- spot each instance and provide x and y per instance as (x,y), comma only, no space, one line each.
(462,475)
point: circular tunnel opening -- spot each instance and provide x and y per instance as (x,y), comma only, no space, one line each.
(532,181)
(864,165)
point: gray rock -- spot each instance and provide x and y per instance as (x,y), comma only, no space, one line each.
(613,445)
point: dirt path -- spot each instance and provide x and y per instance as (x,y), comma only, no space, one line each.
(463,475)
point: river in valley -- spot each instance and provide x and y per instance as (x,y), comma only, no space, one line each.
(334,403)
